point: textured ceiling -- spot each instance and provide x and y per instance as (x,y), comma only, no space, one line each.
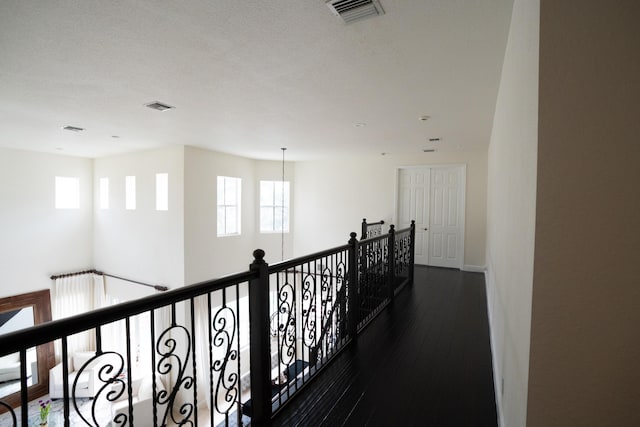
(249,77)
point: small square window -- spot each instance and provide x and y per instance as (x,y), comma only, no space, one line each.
(67,192)
(162,191)
(130,193)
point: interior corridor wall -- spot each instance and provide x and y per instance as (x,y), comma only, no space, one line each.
(142,244)
(585,350)
(332,196)
(511,205)
(38,240)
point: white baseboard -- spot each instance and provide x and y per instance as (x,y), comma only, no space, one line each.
(474,268)
(497,383)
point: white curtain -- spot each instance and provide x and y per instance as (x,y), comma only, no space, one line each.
(74,295)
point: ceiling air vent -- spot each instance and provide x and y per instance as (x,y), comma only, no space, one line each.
(73,128)
(355,10)
(159,106)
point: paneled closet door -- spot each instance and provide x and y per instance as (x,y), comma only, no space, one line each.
(434,197)
(447,217)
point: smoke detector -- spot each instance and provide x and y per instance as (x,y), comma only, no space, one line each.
(355,10)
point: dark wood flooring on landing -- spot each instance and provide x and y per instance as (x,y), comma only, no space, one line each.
(425,361)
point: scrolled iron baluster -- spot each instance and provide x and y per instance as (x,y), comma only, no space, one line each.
(223,339)
(309,310)
(287,328)
(10,410)
(109,374)
(166,365)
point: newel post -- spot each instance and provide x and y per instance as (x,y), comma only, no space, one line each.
(391,264)
(259,342)
(364,229)
(412,250)
(352,322)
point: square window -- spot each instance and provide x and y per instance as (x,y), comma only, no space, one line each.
(67,192)
(162,191)
(130,193)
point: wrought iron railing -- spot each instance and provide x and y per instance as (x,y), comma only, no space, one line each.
(195,347)
(371,229)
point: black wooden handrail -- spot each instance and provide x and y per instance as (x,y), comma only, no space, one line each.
(46,332)
(285,265)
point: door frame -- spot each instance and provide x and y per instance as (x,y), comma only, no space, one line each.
(463,196)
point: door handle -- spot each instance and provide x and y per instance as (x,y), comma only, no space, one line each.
(426,229)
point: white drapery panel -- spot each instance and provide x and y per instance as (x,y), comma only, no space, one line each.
(74,295)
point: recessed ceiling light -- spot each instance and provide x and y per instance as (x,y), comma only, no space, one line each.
(72,128)
(59,148)
(115,136)
(424,118)
(428,150)
(360,125)
(156,105)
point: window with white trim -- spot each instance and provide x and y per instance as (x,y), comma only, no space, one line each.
(229,196)
(274,206)
(162,191)
(130,193)
(67,192)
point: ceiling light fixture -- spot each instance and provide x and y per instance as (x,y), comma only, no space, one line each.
(428,150)
(424,118)
(73,128)
(159,106)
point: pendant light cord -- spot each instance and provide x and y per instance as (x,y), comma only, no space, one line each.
(282,206)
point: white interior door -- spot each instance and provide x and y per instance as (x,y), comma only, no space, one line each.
(447,217)
(413,204)
(434,198)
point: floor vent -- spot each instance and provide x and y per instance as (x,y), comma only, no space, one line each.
(355,10)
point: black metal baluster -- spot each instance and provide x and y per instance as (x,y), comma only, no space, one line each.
(24,392)
(193,357)
(153,367)
(65,380)
(127,327)
(353,284)
(211,390)
(238,364)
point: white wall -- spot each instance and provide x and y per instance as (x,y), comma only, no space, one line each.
(332,196)
(142,244)
(585,346)
(37,240)
(511,205)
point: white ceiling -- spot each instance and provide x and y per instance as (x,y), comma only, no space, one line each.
(249,77)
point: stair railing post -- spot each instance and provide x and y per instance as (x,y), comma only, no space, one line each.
(363,235)
(391,262)
(412,250)
(352,324)
(259,342)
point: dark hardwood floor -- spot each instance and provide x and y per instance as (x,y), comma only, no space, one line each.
(425,361)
